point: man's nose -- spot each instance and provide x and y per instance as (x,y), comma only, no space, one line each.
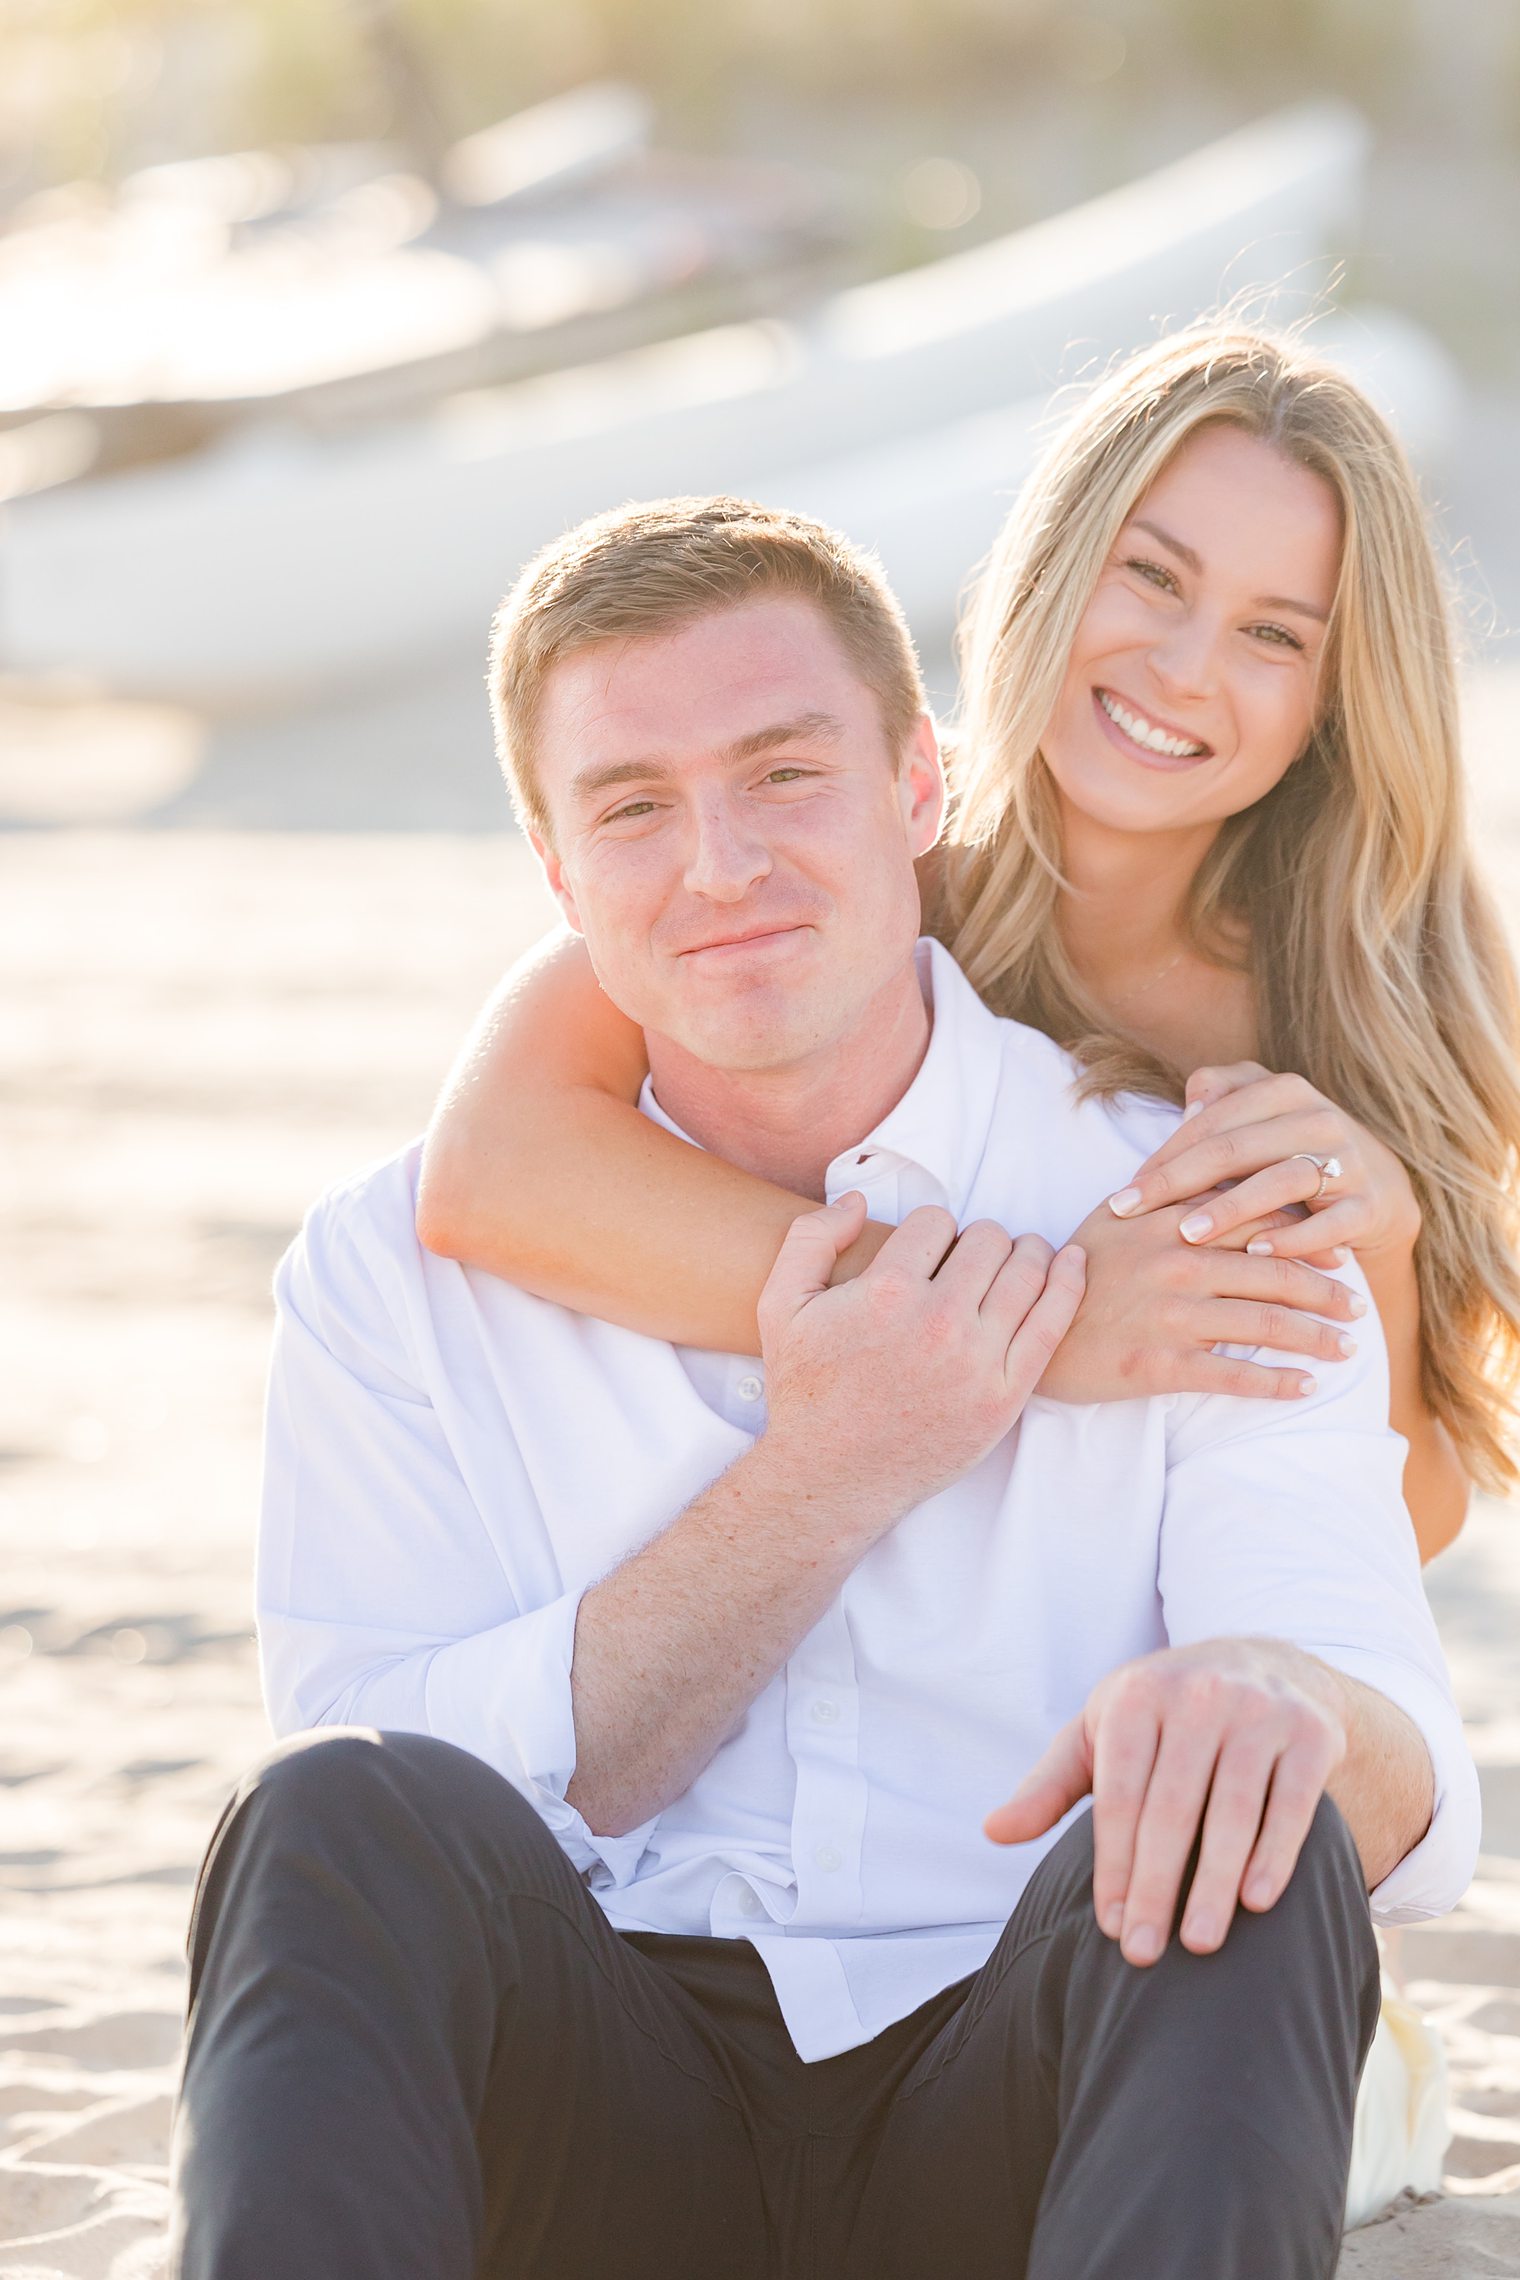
(725,857)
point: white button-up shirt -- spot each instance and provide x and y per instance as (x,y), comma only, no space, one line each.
(452,1464)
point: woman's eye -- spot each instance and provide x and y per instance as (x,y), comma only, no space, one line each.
(1154,573)
(1277,636)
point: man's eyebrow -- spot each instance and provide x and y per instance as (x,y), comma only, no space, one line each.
(1195,564)
(590,781)
(813,727)
(807,728)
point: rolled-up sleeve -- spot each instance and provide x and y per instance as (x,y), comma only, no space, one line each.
(382,1600)
(1287,1520)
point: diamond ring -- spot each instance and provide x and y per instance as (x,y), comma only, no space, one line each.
(1328,1168)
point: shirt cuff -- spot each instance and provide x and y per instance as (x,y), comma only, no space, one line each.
(1432,1877)
(504,1695)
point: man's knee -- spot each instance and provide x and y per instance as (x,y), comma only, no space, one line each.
(1327,1877)
(356,1778)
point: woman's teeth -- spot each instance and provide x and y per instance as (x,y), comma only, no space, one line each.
(1139,731)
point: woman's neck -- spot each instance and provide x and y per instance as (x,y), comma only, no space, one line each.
(1122,914)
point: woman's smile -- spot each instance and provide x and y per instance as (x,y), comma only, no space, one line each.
(1145,738)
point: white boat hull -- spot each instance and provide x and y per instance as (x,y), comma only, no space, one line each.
(277,568)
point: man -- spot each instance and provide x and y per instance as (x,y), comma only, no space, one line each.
(646,1924)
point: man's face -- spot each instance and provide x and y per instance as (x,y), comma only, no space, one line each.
(731,833)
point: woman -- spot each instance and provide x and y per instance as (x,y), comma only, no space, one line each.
(1208,826)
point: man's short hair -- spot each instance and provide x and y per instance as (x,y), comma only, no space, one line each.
(651,567)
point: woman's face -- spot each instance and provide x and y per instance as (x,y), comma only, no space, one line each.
(1193,677)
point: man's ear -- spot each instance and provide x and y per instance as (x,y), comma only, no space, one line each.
(555,880)
(921,786)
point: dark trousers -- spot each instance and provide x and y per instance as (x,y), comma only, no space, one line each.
(418,2051)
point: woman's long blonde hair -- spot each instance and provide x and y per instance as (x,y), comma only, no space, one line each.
(1380,969)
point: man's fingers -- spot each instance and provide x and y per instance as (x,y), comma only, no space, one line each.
(807,1257)
(1231,1826)
(1034,1339)
(1056,1782)
(1169,1822)
(1012,1290)
(981,1251)
(1124,1753)
(1298,1783)
(918,1246)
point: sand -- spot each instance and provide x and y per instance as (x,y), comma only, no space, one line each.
(201,1025)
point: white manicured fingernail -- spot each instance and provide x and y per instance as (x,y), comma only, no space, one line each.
(1305,1385)
(1194,1108)
(1194,1229)
(1356,1304)
(1260,1246)
(1122,1204)
(1346,1346)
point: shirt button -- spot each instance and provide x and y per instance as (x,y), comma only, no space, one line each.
(750,1389)
(825,1712)
(829,1858)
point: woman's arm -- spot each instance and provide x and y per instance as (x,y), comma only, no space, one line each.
(1436,1486)
(539,1167)
(1267,1135)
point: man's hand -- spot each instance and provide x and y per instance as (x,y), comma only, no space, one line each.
(898,1382)
(1155,1309)
(1237,1736)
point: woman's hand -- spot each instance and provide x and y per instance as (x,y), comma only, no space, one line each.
(1254,1134)
(1154,1309)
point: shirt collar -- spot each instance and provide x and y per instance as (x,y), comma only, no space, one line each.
(943,1120)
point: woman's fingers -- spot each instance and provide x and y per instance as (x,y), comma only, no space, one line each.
(1229,1158)
(1207,1085)
(1294,1180)
(1222,1373)
(1283,1282)
(1340,1226)
(1280,1329)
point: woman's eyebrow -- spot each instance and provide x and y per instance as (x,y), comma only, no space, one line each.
(1195,564)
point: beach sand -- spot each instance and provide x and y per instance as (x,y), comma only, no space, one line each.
(202,1025)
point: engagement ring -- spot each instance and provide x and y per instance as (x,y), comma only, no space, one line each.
(1328,1168)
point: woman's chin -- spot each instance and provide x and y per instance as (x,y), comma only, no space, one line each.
(1139,808)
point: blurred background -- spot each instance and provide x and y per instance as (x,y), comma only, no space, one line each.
(316,318)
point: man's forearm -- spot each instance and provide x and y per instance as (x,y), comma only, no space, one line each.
(1385,1784)
(674,1645)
